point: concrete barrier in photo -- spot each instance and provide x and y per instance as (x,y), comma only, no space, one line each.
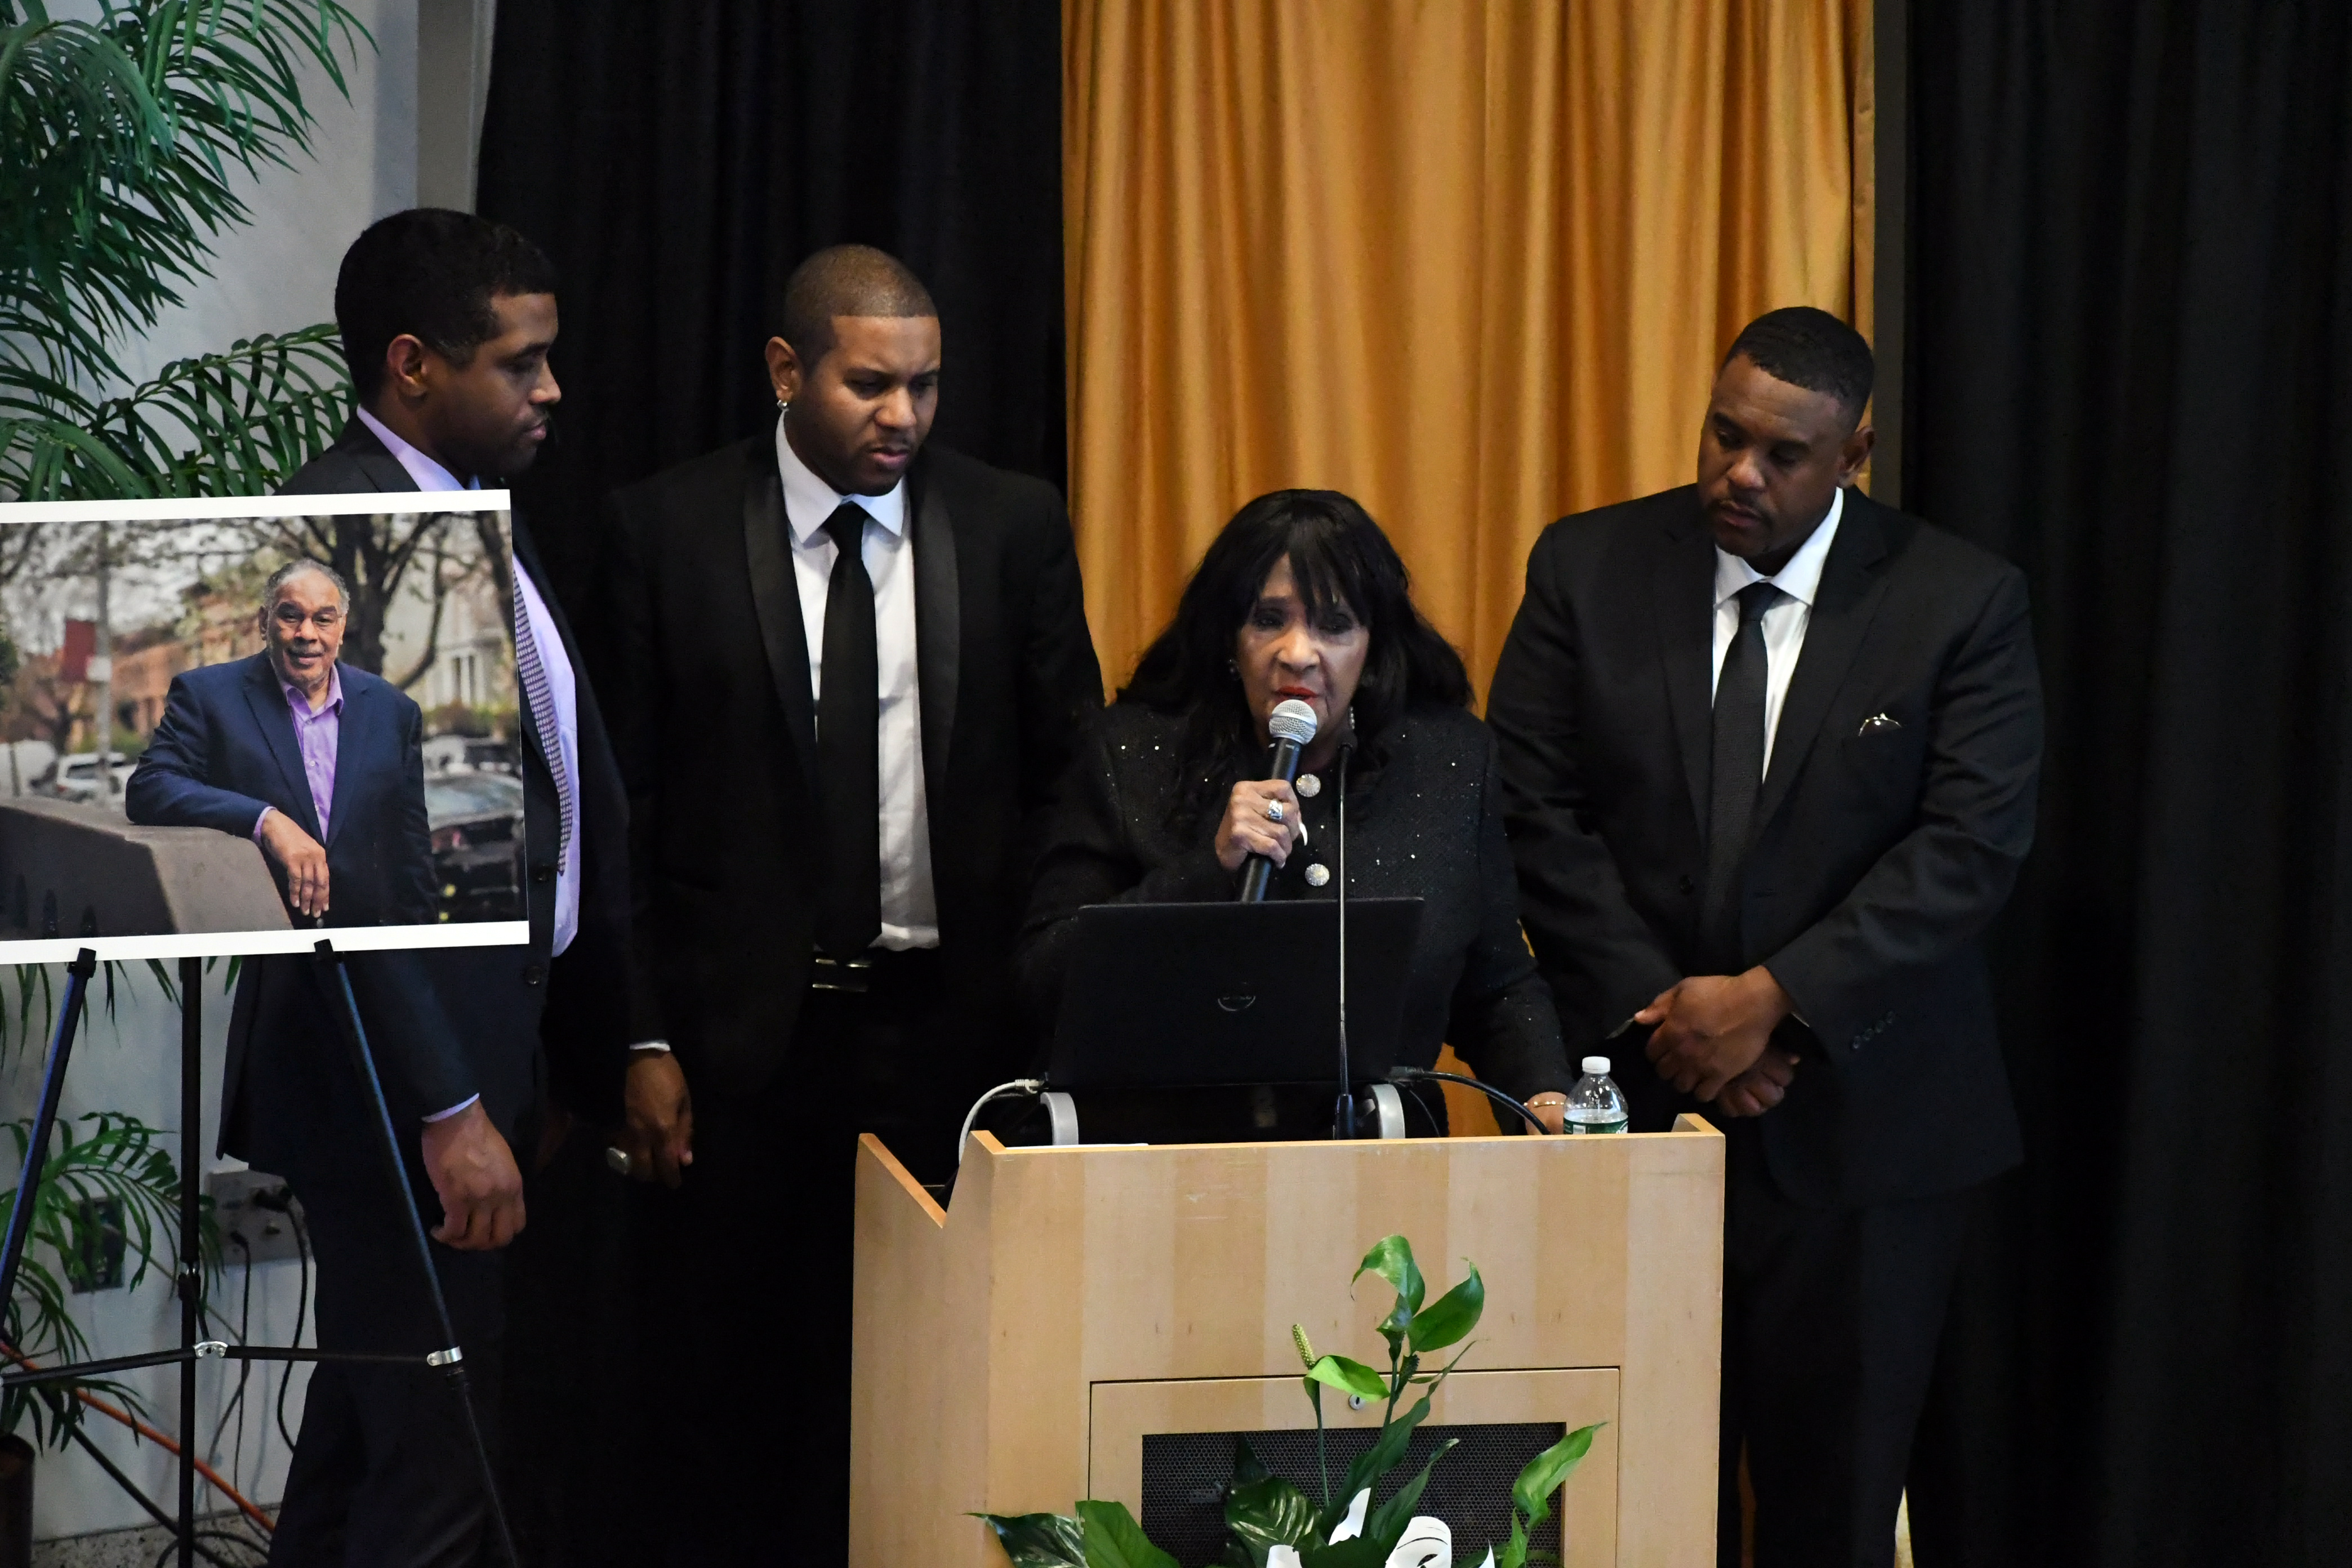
(68,870)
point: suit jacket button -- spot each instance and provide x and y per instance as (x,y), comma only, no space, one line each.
(532,973)
(1684,884)
(542,873)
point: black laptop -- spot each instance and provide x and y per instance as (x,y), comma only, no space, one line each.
(1181,995)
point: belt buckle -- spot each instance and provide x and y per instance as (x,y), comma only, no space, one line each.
(855,976)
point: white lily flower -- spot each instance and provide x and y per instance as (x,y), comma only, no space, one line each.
(1427,1543)
(1353,1525)
(1287,1557)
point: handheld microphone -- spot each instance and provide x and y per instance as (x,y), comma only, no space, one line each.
(1292,725)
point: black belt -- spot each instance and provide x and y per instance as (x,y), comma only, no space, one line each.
(877,968)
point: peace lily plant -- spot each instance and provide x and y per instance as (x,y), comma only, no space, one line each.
(1270,1523)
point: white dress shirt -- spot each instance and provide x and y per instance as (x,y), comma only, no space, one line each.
(1784,624)
(562,685)
(909,909)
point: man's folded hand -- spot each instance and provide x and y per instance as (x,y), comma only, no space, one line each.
(1760,1088)
(473,1172)
(658,1134)
(1708,1029)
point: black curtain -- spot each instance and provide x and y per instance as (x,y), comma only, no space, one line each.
(679,160)
(2131,372)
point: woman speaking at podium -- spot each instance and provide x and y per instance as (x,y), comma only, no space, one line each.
(1302,597)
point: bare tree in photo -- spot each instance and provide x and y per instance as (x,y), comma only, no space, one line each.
(377,555)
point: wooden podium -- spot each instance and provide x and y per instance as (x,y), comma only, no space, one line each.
(1012,1353)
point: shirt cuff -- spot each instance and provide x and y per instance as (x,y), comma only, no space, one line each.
(445,1115)
(661,1046)
(259,820)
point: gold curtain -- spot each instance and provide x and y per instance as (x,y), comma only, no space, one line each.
(1472,261)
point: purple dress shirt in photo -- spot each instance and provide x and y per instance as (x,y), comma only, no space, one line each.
(319,736)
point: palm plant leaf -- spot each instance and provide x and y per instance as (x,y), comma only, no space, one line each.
(130,138)
(117,1160)
(218,423)
(122,134)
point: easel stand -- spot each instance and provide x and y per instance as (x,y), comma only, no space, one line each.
(189,1282)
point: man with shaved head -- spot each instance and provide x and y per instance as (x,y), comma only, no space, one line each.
(852,667)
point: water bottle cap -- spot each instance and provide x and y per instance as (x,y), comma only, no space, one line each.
(1598,1065)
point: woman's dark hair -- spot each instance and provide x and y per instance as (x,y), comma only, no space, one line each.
(1336,554)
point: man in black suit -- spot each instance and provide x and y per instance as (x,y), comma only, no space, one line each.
(854,669)
(1770,752)
(448,320)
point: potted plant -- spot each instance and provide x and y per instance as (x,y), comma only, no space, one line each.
(123,141)
(1271,1523)
(108,1197)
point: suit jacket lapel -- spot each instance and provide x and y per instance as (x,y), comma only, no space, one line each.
(1847,598)
(1682,586)
(777,597)
(374,459)
(267,698)
(350,735)
(590,718)
(939,628)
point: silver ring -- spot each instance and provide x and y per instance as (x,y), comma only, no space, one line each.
(618,1159)
(1273,811)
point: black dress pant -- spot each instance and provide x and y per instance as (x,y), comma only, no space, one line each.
(1831,1318)
(384,1470)
(761,1250)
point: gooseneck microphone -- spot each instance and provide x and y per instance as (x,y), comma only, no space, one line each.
(1292,725)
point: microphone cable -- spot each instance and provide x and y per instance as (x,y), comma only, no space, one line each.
(1344,1122)
(1426,1075)
(1029,1085)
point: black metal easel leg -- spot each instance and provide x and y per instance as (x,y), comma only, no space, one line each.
(449,1359)
(45,1121)
(191,1263)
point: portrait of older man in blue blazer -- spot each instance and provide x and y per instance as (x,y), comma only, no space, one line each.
(321,764)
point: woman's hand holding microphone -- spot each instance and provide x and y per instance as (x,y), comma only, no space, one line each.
(1261,818)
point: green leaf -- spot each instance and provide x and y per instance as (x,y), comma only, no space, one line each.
(233,423)
(1113,1539)
(1349,1377)
(1038,1539)
(1452,1316)
(1532,1493)
(1386,1454)
(1391,1258)
(1265,1511)
(1361,1553)
(116,1161)
(1514,1554)
(1387,1522)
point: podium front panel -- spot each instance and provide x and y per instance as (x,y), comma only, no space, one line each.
(1012,1351)
(1125,1415)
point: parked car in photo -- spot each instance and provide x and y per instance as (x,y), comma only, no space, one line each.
(476,819)
(75,777)
(455,754)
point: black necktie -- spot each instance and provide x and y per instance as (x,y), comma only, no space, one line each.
(848,748)
(1737,774)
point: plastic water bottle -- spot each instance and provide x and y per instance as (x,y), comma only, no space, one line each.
(1596,1104)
